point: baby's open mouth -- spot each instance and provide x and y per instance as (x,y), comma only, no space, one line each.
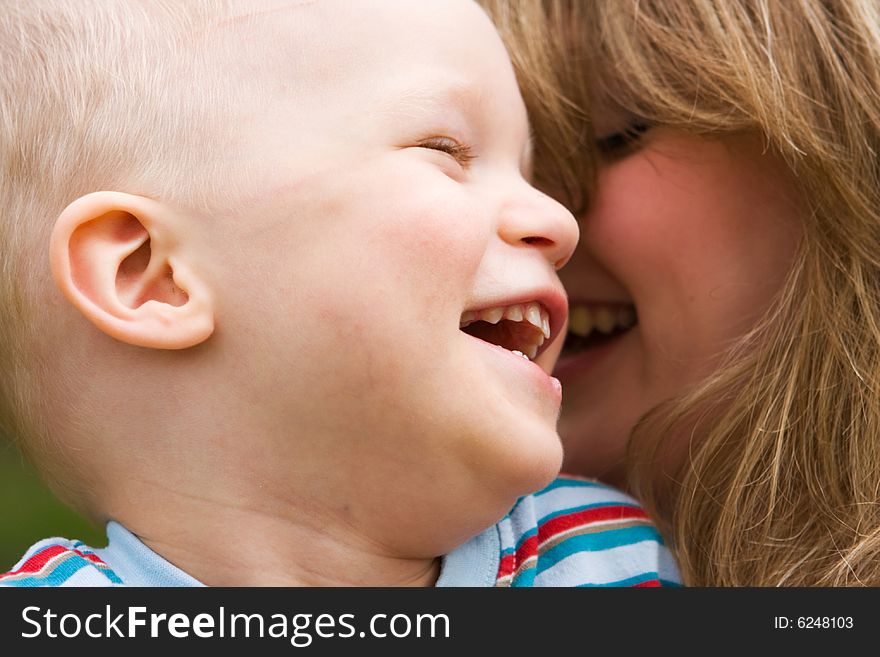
(521,328)
(596,324)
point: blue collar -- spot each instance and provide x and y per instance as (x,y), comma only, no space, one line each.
(138,565)
(474,563)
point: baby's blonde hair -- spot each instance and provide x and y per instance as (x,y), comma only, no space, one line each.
(93,95)
(781,485)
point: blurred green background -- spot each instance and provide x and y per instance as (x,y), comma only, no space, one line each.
(30,512)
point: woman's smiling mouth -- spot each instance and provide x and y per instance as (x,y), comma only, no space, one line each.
(595,324)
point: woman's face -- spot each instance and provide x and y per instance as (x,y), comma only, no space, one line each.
(684,246)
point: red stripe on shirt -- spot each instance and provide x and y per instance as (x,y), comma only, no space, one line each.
(588,516)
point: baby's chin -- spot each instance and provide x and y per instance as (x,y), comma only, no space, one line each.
(531,460)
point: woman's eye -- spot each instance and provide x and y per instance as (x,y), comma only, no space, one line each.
(621,143)
(462,153)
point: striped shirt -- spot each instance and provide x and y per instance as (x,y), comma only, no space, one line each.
(59,562)
(575,532)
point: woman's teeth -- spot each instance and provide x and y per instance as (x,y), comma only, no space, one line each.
(530,327)
(583,320)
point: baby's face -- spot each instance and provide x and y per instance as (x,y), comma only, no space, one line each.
(385,208)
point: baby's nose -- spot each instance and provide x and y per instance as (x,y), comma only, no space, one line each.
(539,221)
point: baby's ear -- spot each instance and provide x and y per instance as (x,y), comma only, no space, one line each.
(118,258)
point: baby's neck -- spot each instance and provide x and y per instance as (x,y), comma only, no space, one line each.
(222,544)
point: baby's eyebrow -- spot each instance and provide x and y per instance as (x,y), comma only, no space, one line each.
(251,15)
(458,104)
(455,95)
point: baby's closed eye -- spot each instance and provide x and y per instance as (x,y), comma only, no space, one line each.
(460,152)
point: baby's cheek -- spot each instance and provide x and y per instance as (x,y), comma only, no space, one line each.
(437,249)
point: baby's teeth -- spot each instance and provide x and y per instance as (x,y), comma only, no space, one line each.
(532,352)
(533,316)
(604,320)
(493,315)
(513,313)
(580,322)
(532,313)
(519,353)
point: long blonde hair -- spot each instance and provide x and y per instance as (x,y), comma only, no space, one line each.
(781,484)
